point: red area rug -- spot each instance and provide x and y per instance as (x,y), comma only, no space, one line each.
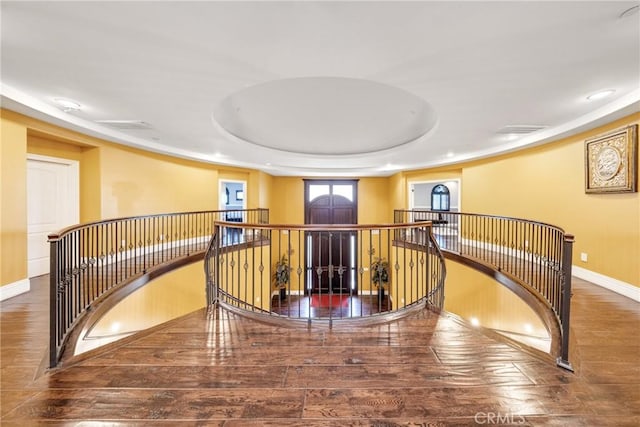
(326,301)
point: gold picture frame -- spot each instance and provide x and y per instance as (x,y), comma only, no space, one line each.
(611,161)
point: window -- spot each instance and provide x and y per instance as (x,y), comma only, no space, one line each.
(317,190)
(440,198)
(345,191)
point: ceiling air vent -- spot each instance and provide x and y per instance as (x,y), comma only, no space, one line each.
(520,129)
(125,124)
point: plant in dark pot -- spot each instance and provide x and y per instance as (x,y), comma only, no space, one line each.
(380,275)
(281,276)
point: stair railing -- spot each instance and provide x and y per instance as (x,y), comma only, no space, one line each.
(317,273)
(535,255)
(89,261)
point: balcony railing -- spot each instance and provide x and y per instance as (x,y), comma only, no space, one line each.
(89,261)
(534,255)
(324,272)
(330,270)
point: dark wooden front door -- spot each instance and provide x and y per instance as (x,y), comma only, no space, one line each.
(331,255)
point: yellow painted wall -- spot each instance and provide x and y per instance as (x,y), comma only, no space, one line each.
(89,160)
(398,191)
(287,207)
(287,200)
(248,284)
(406,284)
(90,186)
(13,201)
(138,183)
(471,294)
(116,181)
(261,182)
(291,245)
(374,203)
(438,174)
(171,295)
(547,184)
(168,297)
(544,183)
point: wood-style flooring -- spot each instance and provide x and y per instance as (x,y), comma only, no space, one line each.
(337,306)
(227,370)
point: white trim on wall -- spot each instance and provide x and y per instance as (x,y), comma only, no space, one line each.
(139,252)
(614,285)
(64,207)
(14,289)
(609,283)
(410,195)
(221,191)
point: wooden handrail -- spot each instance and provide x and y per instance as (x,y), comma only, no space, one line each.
(532,254)
(89,261)
(240,273)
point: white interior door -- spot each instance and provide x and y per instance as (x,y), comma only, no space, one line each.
(52,204)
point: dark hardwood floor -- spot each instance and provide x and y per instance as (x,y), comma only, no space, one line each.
(334,306)
(423,370)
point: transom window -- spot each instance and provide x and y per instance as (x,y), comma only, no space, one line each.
(317,190)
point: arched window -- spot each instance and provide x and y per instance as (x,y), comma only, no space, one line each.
(440,198)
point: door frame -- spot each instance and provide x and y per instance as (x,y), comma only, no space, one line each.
(222,187)
(445,181)
(354,288)
(72,205)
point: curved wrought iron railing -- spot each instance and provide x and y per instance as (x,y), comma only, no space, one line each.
(535,255)
(325,272)
(89,261)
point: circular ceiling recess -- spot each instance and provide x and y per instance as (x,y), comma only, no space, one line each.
(325,116)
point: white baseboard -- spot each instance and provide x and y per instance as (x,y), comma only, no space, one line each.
(615,285)
(138,252)
(14,289)
(292,292)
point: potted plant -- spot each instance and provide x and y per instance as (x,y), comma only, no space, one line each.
(380,275)
(281,276)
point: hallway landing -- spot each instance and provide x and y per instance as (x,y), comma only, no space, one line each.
(227,370)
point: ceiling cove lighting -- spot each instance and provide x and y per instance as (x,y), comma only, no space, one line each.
(600,95)
(67,105)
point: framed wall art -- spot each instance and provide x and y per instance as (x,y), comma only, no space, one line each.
(611,161)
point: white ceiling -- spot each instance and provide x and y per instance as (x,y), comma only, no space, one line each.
(323,88)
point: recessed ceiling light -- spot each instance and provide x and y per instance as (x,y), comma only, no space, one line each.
(601,94)
(67,105)
(450,154)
